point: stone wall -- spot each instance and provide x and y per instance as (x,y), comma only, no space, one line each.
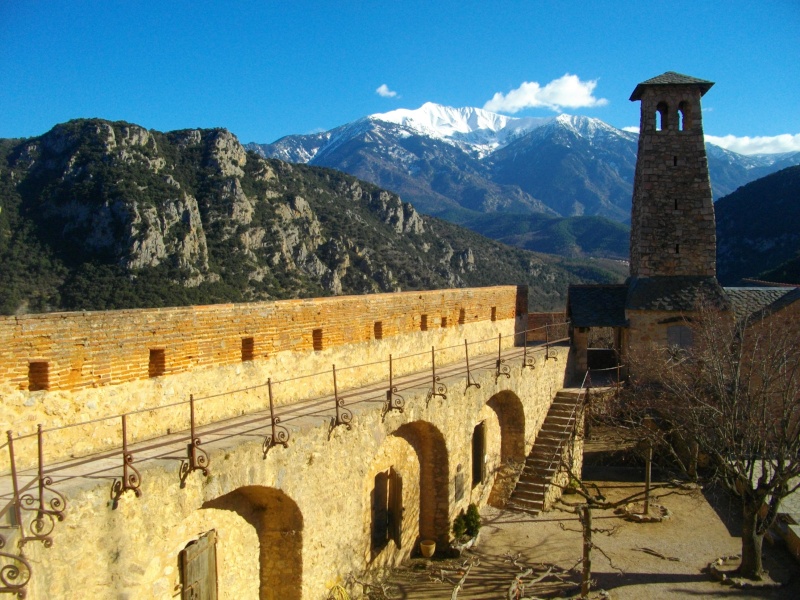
(296,522)
(97,363)
(672,219)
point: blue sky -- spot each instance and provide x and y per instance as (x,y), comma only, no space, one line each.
(267,69)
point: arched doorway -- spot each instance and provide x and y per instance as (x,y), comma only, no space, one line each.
(511,419)
(434,475)
(511,416)
(279,525)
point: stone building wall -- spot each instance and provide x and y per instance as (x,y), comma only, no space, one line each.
(297,522)
(672,220)
(203,353)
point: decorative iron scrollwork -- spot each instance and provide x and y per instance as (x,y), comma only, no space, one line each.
(437,387)
(470,380)
(279,435)
(197,458)
(49,508)
(501,368)
(527,361)
(394,401)
(49,505)
(343,415)
(15,574)
(131,478)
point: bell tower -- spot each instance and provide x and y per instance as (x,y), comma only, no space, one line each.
(672,220)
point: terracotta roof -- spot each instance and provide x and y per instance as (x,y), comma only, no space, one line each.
(674,293)
(597,305)
(747,301)
(671,78)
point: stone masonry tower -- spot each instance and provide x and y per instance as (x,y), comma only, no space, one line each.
(672,220)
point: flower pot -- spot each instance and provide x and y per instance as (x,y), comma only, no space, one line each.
(427,547)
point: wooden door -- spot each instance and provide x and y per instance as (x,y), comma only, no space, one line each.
(199,568)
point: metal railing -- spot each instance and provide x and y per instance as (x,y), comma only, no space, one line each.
(30,490)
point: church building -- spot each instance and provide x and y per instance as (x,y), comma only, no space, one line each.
(673,236)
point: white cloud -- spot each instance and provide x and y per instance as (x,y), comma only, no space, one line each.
(785,142)
(565,92)
(385,92)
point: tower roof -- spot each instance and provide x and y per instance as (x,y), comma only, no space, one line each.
(671,78)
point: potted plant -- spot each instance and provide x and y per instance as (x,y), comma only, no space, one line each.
(466,527)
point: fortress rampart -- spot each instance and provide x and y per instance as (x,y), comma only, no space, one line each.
(284,521)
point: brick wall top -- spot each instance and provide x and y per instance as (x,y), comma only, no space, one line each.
(89,349)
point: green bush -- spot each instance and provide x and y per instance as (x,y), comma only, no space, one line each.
(460,525)
(472,521)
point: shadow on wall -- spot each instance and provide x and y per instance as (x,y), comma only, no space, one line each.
(279,525)
(428,442)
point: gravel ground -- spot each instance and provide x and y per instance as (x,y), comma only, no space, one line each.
(653,561)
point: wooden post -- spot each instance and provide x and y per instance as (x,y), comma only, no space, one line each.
(586,576)
(648,468)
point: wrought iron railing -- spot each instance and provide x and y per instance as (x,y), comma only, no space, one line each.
(31,489)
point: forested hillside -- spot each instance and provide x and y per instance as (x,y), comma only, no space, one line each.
(100,215)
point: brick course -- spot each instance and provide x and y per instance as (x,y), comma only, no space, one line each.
(92,349)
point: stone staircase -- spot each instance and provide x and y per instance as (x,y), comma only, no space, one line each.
(543,461)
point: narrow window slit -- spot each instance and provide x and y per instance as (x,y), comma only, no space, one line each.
(248,349)
(316,339)
(157,365)
(38,376)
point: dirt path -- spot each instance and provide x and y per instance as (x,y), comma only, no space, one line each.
(694,535)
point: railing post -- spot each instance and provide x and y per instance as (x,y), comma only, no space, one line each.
(394,401)
(196,457)
(279,435)
(40,527)
(527,361)
(501,367)
(14,483)
(131,478)
(437,388)
(470,381)
(14,576)
(343,415)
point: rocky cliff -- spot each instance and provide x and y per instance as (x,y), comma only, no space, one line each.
(97,214)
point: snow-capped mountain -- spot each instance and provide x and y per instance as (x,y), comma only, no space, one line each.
(459,162)
(474,130)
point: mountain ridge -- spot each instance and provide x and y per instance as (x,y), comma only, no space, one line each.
(562,165)
(98,215)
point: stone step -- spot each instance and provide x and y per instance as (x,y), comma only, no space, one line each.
(532,481)
(529,496)
(525,508)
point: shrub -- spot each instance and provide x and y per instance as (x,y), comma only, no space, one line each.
(472,521)
(460,525)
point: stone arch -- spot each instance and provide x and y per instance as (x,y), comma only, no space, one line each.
(434,478)
(511,416)
(662,116)
(279,525)
(684,116)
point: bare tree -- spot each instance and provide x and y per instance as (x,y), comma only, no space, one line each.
(730,403)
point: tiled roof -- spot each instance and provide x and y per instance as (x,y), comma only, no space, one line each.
(747,301)
(597,305)
(672,78)
(786,299)
(674,293)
